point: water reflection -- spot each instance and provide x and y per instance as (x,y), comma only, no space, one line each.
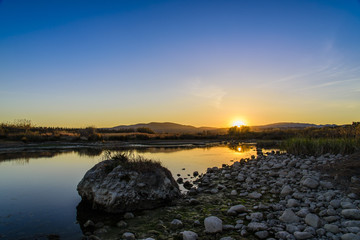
(242,148)
(23,157)
(39,186)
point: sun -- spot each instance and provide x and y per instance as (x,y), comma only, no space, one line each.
(238,123)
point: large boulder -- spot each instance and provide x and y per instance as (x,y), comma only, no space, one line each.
(121,185)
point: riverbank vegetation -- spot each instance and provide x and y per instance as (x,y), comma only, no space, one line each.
(334,139)
(317,147)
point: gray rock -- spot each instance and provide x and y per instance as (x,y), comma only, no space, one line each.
(353,229)
(310,183)
(257,216)
(255,226)
(121,224)
(128,236)
(302,212)
(89,223)
(302,235)
(312,220)
(286,190)
(228,227)
(227,238)
(352,223)
(214,191)
(350,236)
(353,196)
(189,235)
(351,213)
(347,205)
(335,203)
(289,216)
(193,201)
(331,228)
(331,218)
(282,235)
(110,187)
(320,231)
(176,223)
(197,223)
(244,233)
(291,228)
(234,210)
(326,184)
(228,176)
(213,224)
(233,193)
(292,203)
(255,195)
(239,226)
(262,234)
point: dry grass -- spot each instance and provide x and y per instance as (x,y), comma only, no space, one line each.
(130,162)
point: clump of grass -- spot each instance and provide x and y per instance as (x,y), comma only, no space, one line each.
(131,162)
(316,147)
(268,143)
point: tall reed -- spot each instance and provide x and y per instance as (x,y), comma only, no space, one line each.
(316,147)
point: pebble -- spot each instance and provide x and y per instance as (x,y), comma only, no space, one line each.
(128,236)
(331,228)
(213,224)
(286,198)
(128,215)
(289,216)
(176,223)
(350,236)
(302,235)
(189,235)
(312,220)
(351,213)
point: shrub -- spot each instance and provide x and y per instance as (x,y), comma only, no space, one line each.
(130,162)
(145,130)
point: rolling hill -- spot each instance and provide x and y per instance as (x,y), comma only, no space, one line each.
(169,127)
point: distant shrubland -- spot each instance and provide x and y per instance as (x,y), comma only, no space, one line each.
(311,140)
(307,141)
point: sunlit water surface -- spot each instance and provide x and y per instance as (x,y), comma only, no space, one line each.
(38,196)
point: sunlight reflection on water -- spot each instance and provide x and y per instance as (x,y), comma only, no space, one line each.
(38,190)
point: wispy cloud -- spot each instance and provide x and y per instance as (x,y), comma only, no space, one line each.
(331,83)
(322,76)
(298,76)
(209,92)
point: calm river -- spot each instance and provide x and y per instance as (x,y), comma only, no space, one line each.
(38,194)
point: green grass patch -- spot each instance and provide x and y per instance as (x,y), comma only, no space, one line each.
(133,163)
(316,147)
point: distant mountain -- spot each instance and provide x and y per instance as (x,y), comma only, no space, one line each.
(169,127)
(287,125)
(166,127)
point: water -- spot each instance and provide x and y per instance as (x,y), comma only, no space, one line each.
(38,194)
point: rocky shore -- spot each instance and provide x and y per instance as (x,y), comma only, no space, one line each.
(278,196)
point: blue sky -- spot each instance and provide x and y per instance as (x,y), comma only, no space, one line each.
(105,63)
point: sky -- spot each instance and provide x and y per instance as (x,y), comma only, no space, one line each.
(203,63)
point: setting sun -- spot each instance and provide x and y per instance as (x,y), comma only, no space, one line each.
(238,123)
